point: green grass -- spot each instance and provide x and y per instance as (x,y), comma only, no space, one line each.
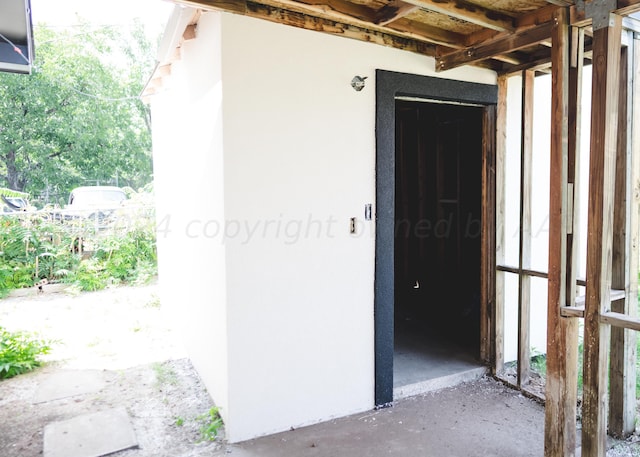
(165,375)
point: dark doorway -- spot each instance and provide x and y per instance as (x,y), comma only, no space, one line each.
(392,90)
(438,196)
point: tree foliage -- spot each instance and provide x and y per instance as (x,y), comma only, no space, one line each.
(77,118)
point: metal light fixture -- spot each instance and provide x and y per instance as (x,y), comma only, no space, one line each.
(358,83)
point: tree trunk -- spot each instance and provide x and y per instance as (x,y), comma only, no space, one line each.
(15,180)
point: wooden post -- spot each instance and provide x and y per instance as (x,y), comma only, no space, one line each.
(622,369)
(488,247)
(573,161)
(501,150)
(621,400)
(604,123)
(634,207)
(524,295)
(561,391)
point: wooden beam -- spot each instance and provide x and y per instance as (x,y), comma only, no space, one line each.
(604,123)
(620,320)
(572,311)
(524,281)
(468,12)
(632,24)
(562,333)
(534,19)
(626,7)
(578,310)
(508,43)
(542,64)
(497,322)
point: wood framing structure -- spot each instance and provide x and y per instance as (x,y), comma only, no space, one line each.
(523,39)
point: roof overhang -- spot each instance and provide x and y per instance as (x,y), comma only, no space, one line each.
(16,36)
(503,35)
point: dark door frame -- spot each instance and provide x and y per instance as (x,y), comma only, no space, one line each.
(390,85)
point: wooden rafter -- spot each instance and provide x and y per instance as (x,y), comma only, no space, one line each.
(501,45)
(354,10)
(467,12)
(433,34)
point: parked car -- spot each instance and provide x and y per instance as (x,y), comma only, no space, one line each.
(96,197)
(93,202)
(13,204)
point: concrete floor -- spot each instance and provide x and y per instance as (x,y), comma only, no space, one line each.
(424,361)
(476,419)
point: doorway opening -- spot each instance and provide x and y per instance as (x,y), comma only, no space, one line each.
(438,204)
(445,98)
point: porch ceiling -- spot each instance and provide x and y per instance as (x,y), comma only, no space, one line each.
(504,35)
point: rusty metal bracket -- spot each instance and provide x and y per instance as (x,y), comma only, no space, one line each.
(598,10)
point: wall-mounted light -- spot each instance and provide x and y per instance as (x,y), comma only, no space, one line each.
(358,83)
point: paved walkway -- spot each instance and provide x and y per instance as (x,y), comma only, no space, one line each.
(481,418)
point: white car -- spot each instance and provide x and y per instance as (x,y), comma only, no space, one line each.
(96,198)
(94,202)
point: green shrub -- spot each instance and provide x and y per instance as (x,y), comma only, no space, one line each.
(36,246)
(19,352)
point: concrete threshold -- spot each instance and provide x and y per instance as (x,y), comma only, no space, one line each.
(438,383)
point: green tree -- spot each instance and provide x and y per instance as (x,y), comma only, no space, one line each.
(77,118)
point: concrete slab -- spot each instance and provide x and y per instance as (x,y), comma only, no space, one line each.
(479,419)
(420,356)
(429,385)
(90,435)
(68,383)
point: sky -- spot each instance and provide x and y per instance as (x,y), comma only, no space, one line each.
(61,13)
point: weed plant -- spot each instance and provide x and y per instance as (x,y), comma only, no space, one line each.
(36,246)
(20,352)
(211,424)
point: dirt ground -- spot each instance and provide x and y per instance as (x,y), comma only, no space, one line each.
(122,333)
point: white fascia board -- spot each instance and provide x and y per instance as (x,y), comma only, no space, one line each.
(180,18)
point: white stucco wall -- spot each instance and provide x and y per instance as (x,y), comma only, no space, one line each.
(189,180)
(299,146)
(283,293)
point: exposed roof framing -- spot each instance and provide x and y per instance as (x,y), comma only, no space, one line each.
(505,35)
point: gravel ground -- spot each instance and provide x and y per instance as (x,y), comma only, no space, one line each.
(122,333)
